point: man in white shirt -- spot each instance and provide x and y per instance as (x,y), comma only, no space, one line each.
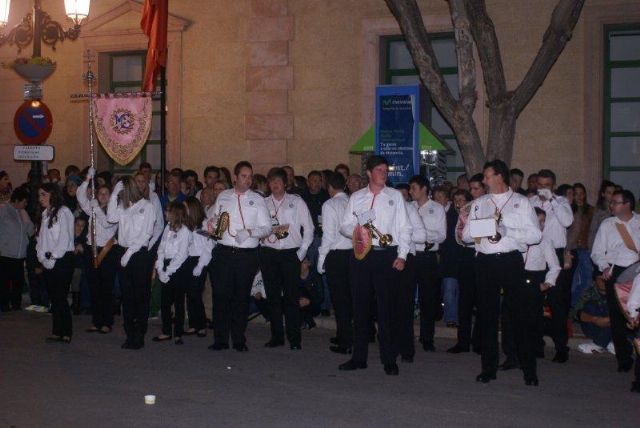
(383,208)
(235,257)
(614,249)
(280,256)
(502,225)
(333,259)
(559,218)
(435,222)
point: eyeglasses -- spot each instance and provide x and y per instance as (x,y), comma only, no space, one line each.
(616,202)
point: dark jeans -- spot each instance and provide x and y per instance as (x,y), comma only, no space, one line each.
(101,282)
(281,273)
(337,272)
(135,287)
(58,281)
(374,274)
(173,294)
(195,305)
(468,331)
(429,294)
(233,273)
(11,283)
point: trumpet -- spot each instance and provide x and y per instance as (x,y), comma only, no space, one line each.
(281,233)
(385,239)
(222,225)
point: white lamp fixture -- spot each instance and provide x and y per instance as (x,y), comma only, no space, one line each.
(4,12)
(77,10)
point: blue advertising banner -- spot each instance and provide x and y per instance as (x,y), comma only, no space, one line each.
(397,130)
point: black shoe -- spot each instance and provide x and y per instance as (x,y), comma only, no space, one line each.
(273,343)
(295,347)
(325,313)
(561,357)
(457,349)
(340,349)
(391,369)
(202,333)
(625,367)
(137,344)
(219,346)
(241,347)
(509,364)
(179,341)
(333,341)
(635,386)
(352,365)
(485,377)
(428,347)
(126,345)
(531,380)
(406,358)
(476,350)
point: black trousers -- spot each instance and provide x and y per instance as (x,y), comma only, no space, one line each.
(374,274)
(136,292)
(173,293)
(619,331)
(496,272)
(11,283)
(429,295)
(337,271)
(58,281)
(468,331)
(281,274)
(195,287)
(559,300)
(403,333)
(532,302)
(233,272)
(101,282)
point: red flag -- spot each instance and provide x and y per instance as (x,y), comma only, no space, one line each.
(154,24)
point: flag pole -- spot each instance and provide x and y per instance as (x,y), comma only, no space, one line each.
(163,128)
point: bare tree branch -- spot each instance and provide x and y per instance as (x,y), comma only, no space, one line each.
(563,21)
(464,53)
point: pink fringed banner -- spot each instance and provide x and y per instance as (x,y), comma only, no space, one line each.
(122,125)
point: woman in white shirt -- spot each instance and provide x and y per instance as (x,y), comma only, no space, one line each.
(55,252)
(172,272)
(199,258)
(101,271)
(135,215)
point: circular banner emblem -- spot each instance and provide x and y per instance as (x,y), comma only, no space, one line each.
(122,121)
(33,122)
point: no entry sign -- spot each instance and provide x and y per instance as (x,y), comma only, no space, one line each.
(33,122)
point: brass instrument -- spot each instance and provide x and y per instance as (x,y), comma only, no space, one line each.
(498,236)
(281,233)
(222,225)
(383,239)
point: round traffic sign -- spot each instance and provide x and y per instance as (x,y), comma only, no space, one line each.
(33,122)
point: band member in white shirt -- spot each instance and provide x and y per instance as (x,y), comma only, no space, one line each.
(614,249)
(280,256)
(435,221)
(235,257)
(559,218)
(333,260)
(199,258)
(101,270)
(55,252)
(135,215)
(378,216)
(173,272)
(541,270)
(502,224)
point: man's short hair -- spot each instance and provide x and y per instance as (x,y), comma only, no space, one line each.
(212,168)
(627,197)
(547,173)
(336,181)
(314,172)
(71,170)
(144,165)
(342,166)
(190,173)
(402,186)
(499,168)
(375,160)
(441,189)
(478,178)
(240,165)
(517,171)
(19,194)
(465,193)
(540,211)
(421,181)
(275,173)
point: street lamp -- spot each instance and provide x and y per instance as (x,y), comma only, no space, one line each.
(38,27)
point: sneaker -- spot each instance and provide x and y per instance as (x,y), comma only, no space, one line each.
(611,349)
(590,348)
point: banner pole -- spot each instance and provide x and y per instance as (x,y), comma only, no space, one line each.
(163,128)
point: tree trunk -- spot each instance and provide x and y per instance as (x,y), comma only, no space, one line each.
(502,130)
(469,142)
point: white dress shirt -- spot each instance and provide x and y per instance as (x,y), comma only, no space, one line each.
(291,210)
(57,239)
(104,230)
(434,218)
(391,216)
(332,213)
(201,247)
(633,304)
(158,225)
(246,211)
(419,232)
(174,246)
(609,248)
(519,226)
(135,224)
(540,257)
(559,218)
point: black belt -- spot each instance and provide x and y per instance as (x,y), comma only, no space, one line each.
(236,249)
(498,255)
(287,250)
(342,251)
(379,248)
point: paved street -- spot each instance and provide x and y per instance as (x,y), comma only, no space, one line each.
(93,383)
